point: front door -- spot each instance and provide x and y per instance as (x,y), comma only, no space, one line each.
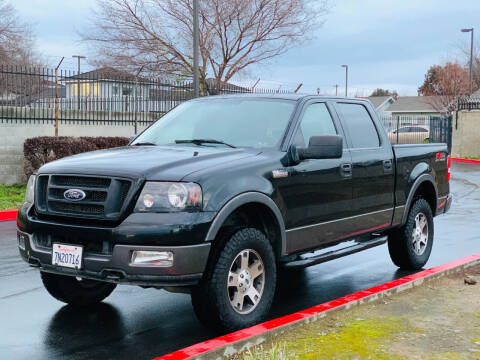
(318,191)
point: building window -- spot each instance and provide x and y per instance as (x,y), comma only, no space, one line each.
(126,91)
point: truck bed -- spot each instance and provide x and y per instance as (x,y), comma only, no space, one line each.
(413,159)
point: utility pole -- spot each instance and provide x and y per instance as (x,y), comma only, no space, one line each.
(195,49)
(56,96)
(78,78)
(336,89)
(135,98)
(346,79)
(471,54)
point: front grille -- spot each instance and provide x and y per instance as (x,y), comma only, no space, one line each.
(77,208)
(105,197)
(90,244)
(92,195)
(80,181)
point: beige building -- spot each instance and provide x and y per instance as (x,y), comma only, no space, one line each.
(404,105)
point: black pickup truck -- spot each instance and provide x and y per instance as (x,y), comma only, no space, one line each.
(221,192)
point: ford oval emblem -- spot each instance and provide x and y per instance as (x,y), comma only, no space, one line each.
(74,194)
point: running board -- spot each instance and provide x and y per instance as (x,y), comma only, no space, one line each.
(335,254)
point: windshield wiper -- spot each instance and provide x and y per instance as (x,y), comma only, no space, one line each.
(144,144)
(203,141)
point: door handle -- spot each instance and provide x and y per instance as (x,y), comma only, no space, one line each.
(346,170)
(387,166)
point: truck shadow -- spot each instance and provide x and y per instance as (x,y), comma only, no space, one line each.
(74,329)
(300,289)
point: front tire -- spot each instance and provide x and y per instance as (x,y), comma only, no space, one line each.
(239,283)
(83,292)
(411,245)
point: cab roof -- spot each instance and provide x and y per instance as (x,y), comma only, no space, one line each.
(294,97)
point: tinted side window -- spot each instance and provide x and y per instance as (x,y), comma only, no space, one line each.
(316,121)
(404,130)
(360,125)
(418,129)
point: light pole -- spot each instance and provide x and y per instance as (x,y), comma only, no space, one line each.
(195,49)
(471,54)
(346,79)
(78,78)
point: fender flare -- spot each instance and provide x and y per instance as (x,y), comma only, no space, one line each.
(419,181)
(242,199)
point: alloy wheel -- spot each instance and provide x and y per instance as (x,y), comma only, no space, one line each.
(420,234)
(246,281)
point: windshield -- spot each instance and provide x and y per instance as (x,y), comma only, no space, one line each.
(235,121)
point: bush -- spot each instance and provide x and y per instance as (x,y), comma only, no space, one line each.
(41,150)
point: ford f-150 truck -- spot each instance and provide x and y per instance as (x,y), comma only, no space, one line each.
(223,191)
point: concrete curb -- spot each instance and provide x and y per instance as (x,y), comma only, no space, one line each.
(241,340)
(463,160)
(8,215)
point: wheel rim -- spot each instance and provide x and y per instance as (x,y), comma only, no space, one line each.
(420,234)
(246,280)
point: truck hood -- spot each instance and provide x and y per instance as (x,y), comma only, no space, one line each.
(168,163)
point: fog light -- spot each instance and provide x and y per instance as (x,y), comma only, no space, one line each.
(21,240)
(152,258)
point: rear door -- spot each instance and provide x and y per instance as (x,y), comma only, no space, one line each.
(373,168)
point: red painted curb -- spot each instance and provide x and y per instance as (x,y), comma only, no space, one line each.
(218,342)
(8,215)
(463,160)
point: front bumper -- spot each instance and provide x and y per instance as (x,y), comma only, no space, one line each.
(187,269)
(108,250)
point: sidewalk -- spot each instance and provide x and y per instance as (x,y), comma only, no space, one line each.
(437,320)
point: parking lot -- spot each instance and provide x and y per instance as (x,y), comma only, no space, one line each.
(141,324)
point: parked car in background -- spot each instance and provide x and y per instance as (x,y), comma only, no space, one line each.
(409,134)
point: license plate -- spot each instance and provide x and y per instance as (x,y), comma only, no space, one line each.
(67,255)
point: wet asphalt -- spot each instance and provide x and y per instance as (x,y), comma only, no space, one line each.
(135,323)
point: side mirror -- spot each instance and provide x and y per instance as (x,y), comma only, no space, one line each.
(319,147)
(322,147)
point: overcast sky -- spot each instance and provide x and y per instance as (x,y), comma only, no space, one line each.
(388,44)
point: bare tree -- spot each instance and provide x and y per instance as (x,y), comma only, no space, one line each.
(465,56)
(17,52)
(234,34)
(384,92)
(443,85)
(16,39)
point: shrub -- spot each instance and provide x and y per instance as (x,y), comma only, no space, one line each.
(41,150)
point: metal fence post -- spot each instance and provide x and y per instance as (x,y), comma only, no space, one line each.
(56,96)
(398,127)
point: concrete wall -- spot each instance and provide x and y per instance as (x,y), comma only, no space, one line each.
(466,134)
(13,135)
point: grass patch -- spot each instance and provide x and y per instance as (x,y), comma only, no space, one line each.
(357,339)
(472,157)
(11,196)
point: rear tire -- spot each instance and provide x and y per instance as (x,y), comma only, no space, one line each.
(410,246)
(239,283)
(82,292)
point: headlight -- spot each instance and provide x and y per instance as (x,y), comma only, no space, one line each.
(169,196)
(30,192)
